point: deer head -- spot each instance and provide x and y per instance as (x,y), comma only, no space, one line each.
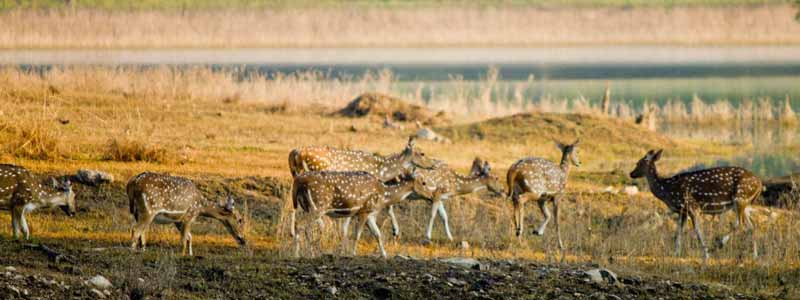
(411,158)
(646,164)
(64,195)
(477,167)
(233,221)
(492,182)
(569,153)
(422,186)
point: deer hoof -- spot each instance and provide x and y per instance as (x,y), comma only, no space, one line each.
(425,242)
(536,232)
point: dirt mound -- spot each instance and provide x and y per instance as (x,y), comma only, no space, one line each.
(380,105)
(597,134)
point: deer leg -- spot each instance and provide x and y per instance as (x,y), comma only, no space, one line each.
(518,207)
(345,233)
(15,216)
(359,228)
(293,223)
(434,210)
(555,219)
(748,221)
(542,201)
(395,225)
(443,215)
(139,231)
(23,224)
(679,233)
(699,231)
(723,240)
(373,227)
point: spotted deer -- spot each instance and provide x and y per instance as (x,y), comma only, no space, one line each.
(166,199)
(710,191)
(385,168)
(347,194)
(543,181)
(21,193)
(446,183)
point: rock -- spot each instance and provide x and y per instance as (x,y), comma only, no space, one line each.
(11,269)
(333,290)
(468,263)
(14,290)
(100,282)
(98,294)
(93,177)
(456,281)
(601,275)
(141,280)
(630,190)
(425,133)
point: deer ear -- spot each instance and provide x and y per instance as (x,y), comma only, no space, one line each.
(657,155)
(229,204)
(486,168)
(411,142)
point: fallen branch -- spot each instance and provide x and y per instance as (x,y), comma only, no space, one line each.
(53,255)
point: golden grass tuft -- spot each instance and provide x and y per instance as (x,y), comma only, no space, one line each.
(32,138)
(131,150)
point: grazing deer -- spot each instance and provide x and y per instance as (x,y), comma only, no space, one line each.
(166,199)
(447,183)
(349,194)
(541,180)
(710,191)
(21,193)
(385,168)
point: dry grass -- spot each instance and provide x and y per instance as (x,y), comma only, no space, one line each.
(186,109)
(129,149)
(421,26)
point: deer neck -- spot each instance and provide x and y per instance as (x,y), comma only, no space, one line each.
(398,192)
(564,165)
(468,184)
(656,183)
(46,196)
(392,166)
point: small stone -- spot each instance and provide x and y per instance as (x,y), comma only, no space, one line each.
(333,290)
(141,280)
(14,290)
(19,277)
(100,282)
(630,190)
(469,263)
(601,275)
(11,269)
(93,177)
(98,294)
(456,281)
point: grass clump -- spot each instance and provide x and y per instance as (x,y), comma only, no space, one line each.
(131,150)
(32,139)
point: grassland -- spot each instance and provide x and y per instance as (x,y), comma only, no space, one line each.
(218,130)
(440,24)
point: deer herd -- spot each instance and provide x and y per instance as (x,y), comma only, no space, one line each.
(350,184)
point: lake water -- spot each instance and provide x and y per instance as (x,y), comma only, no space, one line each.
(634,73)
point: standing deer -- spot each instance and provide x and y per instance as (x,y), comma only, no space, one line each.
(385,168)
(166,199)
(21,193)
(541,180)
(710,191)
(447,183)
(348,194)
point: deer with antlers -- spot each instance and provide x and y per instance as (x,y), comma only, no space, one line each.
(710,191)
(348,194)
(543,181)
(21,193)
(166,199)
(446,183)
(385,168)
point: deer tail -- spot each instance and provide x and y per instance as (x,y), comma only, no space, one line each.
(510,179)
(295,165)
